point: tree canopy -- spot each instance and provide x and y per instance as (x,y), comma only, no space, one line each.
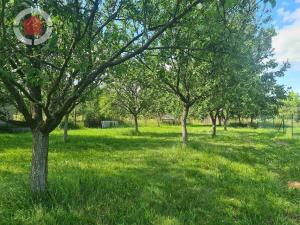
(215,56)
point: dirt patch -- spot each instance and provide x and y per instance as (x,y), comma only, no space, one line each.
(294,185)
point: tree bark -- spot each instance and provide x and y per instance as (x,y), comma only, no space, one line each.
(225,124)
(75,117)
(251,120)
(214,124)
(136,124)
(39,170)
(158,120)
(220,120)
(225,116)
(66,126)
(185,114)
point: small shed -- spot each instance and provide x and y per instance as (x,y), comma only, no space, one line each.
(109,124)
(168,118)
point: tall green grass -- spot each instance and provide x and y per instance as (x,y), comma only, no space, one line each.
(114,177)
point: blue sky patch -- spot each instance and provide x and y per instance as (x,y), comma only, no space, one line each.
(286,16)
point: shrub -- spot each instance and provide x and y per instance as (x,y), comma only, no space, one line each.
(71,125)
(92,120)
(237,124)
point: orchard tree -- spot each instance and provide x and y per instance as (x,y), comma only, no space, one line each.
(246,82)
(184,63)
(182,76)
(192,72)
(290,106)
(163,104)
(47,81)
(131,91)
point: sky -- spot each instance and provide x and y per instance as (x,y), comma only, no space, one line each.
(286,18)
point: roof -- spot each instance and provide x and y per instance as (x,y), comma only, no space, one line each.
(168,117)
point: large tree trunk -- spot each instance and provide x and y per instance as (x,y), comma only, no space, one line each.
(185,114)
(136,124)
(66,123)
(214,124)
(39,170)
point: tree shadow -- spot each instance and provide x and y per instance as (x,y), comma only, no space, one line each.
(78,143)
(15,141)
(159,192)
(174,135)
(113,186)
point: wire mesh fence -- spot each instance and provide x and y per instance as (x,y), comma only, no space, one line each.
(288,125)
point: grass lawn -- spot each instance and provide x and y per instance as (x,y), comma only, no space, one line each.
(113,177)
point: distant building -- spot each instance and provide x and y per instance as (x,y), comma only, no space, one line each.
(168,118)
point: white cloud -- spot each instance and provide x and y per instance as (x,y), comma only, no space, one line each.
(287,42)
(297,1)
(288,16)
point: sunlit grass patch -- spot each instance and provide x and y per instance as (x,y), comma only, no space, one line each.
(112,176)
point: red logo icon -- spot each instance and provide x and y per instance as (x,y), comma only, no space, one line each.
(33,26)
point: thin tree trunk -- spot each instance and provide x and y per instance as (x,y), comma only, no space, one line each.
(158,120)
(214,125)
(39,170)
(251,122)
(66,124)
(136,124)
(75,117)
(185,114)
(225,123)
(220,120)
(225,116)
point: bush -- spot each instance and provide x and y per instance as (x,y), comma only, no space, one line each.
(237,124)
(253,125)
(5,128)
(71,125)
(92,121)
(12,128)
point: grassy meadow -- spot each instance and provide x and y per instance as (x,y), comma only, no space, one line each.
(115,177)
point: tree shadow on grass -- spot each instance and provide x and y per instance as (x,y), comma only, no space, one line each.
(14,141)
(249,148)
(172,135)
(156,189)
(89,142)
(107,143)
(157,192)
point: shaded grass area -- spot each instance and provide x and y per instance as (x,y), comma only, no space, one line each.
(112,177)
